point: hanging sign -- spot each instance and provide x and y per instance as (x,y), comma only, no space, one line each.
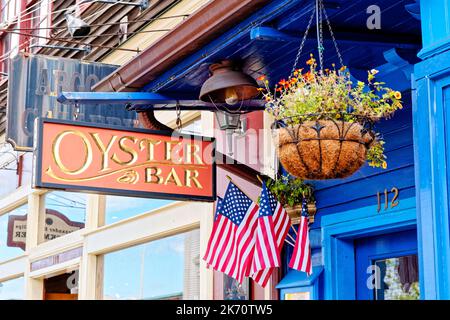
(56,225)
(138,163)
(35,82)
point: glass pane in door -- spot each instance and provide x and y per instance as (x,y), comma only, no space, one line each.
(398,278)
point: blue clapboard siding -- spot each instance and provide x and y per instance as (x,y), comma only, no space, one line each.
(360,189)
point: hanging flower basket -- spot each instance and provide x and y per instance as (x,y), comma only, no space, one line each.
(323,149)
(326,122)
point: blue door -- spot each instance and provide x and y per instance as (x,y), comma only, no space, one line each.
(387,267)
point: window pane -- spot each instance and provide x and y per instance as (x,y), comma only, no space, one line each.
(13,231)
(399,278)
(233,290)
(65,212)
(166,269)
(120,208)
(12,289)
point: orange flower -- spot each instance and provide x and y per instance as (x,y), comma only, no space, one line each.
(308,76)
(294,80)
(397,95)
(311,61)
(260,89)
(282,82)
(261,78)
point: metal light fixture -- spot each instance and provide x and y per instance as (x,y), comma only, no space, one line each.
(228,85)
(229,122)
(76,26)
(231,86)
(79,28)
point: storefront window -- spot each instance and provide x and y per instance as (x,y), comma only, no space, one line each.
(12,289)
(164,269)
(13,232)
(120,208)
(399,278)
(65,212)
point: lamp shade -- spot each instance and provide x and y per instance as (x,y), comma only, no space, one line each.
(77,27)
(227,85)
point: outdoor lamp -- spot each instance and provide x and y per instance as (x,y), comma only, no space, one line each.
(229,122)
(77,27)
(231,86)
(228,85)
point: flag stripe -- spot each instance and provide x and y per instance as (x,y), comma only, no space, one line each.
(216,231)
(273,226)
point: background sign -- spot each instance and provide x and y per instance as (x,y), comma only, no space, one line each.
(138,163)
(56,225)
(35,82)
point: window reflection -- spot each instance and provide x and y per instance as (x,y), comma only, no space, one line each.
(13,231)
(399,278)
(65,212)
(233,290)
(120,208)
(12,289)
(164,269)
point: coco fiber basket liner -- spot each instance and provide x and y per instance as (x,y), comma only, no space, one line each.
(323,149)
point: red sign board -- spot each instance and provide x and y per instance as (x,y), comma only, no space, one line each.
(138,163)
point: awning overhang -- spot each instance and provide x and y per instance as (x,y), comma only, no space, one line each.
(264,36)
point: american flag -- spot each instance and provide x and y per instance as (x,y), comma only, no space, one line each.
(273,226)
(301,258)
(231,244)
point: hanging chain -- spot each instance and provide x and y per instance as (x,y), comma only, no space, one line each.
(302,44)
(179,123)
(320,47)
(341,61)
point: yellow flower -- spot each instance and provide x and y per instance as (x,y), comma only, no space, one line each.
(384,165)
(397,95)
(343,68)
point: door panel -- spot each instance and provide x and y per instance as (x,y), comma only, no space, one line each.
(387,267)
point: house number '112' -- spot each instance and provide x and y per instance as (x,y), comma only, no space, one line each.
(394,201)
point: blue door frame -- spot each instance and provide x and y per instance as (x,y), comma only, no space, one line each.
(431,116)
(339,232)
(370,249)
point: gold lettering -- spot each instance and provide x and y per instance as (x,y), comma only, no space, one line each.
(169,151)
(104,150)
(87,151)
(153,172)
(192,175)
(192,150)
(133,153)
(173,178)
(150,145)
